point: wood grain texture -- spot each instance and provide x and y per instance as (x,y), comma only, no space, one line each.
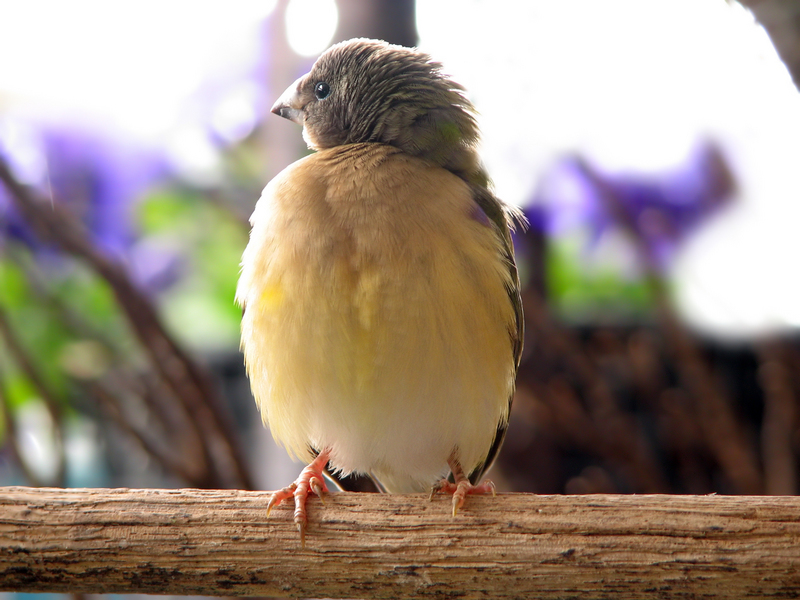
(393,546)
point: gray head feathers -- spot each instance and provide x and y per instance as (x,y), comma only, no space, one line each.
(366,90)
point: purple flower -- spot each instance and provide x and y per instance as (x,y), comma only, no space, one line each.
(99,179)
(662,209)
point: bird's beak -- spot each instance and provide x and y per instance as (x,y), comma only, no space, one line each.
(289,105)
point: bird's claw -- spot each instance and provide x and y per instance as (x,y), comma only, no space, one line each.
(310,481)
(438,487)
(318,487)
(461,490)
(280,496)
(301,528)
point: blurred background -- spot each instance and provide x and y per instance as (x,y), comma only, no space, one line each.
(653,145)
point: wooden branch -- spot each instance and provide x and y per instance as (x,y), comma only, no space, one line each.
(394,546)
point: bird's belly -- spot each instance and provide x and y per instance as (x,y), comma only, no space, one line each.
(392,368)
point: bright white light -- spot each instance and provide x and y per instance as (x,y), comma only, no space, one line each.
(20,143)
(129,66)
(632,84)
(36,440)
(310,25)
(195,156)
(235,116)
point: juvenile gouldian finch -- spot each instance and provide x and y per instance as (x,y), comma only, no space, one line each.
(382,323)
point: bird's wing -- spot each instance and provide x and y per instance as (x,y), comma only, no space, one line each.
(503,218)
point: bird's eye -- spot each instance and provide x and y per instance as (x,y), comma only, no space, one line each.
(322,90)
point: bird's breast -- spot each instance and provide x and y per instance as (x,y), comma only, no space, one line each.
(376,315)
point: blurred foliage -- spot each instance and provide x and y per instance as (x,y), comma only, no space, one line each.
(68,323)
(199,307)
(18,390)
(592,292)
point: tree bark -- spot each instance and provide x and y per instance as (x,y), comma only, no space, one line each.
(399,546)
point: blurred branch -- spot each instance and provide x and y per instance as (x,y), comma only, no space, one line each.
(390,20)
(190,383)
(220,198)
(110,404)
(174,423)
(11,433)
(733,450)
(780,417)
(619,439)
(69,317)
(47,395)
(781,20)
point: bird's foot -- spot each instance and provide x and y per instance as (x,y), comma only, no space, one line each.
(461,490)
(311,479)
(461,487)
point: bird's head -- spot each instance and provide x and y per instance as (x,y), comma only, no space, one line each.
(365,90)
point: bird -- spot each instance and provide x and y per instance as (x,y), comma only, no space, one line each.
(382,323)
